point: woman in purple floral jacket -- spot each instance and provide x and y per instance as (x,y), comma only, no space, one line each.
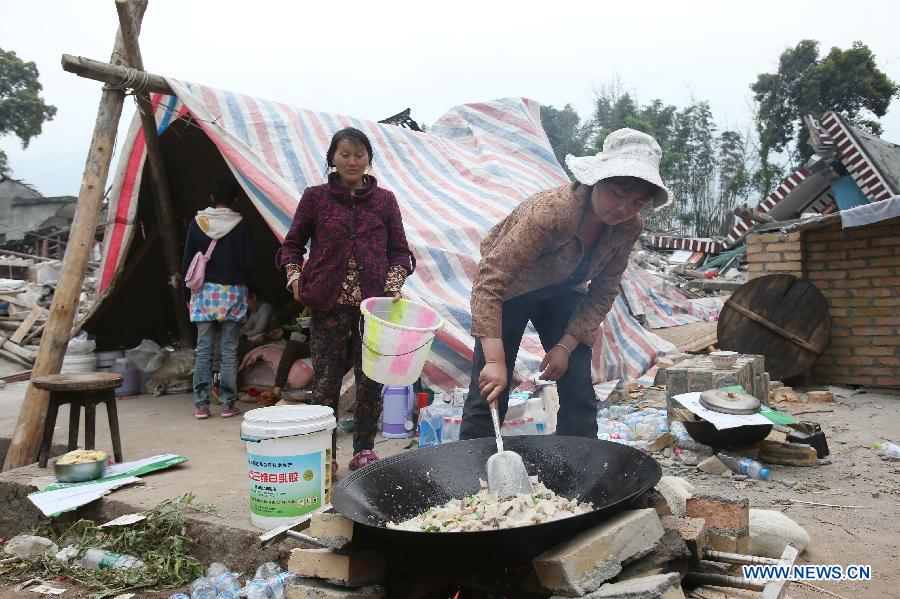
(358,251)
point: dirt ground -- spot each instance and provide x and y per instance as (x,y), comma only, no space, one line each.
(849,504)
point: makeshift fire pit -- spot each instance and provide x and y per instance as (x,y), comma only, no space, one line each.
(607,474)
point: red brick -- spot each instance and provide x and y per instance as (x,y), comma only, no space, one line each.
(872,252)
(784,246)
(835,292)
(838,311)
(692,531)
(870,272)
(728,513)
(765,238)
(874,331)
(824,257)
(767,257)
(818,246)
(883,241)
(893,301)
(870,292)
(870,311)
(875,351)
(852,321)
(849,245)
(887,321)
(826,235)
(827,275)
(850,302)
(851,283)
(874,371)
(869,232)
(887,282)
(777,266)
(857,361)
(889,261)
(888,361)
(851,341)
(886,381)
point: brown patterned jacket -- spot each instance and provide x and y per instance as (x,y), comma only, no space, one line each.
(537,246)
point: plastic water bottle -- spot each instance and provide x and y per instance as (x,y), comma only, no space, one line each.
(447,430)
(278,583)
(227,581)
(179,596)
(229,594)
(257,589)
(743,465)
(888,450)
(215,569)
(203,588)
(267,571)
(101,559)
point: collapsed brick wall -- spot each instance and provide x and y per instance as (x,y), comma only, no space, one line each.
(858,271)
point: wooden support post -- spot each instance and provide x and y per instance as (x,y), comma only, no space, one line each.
(26,438)
(112,74)
(165,215)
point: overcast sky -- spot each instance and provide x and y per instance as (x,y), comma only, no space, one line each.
(374,58)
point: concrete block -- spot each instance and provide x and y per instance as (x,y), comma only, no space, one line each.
(583,563)
(353,570)
(700,380)
(728,540)
(333,530)
(691,530)
(712,465)
(661,586)
(671,554)
(725,511)
(307,588)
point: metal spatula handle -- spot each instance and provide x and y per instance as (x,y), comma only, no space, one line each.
(496,418)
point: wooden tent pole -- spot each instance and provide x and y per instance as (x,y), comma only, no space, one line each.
(112,74)
(165,214)
(29,427)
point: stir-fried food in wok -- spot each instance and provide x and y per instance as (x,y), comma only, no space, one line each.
(486,511)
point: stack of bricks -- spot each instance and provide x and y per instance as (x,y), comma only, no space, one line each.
(336,572)
(858,271)
(726,518)
(774,254)
(699,374)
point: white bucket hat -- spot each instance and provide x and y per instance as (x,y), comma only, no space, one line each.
(626,153)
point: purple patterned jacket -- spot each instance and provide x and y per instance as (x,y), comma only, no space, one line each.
(367,225)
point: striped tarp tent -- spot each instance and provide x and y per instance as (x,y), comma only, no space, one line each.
(470,169)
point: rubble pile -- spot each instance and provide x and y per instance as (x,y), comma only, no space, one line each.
(27,286)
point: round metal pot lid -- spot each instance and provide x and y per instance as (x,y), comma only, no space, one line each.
(729,402)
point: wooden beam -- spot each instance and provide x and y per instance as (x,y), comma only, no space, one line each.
(113,74)
(165,214)
(25,326)
(26,438)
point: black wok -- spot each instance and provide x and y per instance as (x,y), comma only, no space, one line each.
(607,474)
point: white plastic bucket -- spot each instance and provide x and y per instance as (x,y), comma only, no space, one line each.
(289,459)
(397,337)
(107,359)
(79,363)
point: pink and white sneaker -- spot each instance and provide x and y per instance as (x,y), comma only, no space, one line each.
(230,412)
(201,413)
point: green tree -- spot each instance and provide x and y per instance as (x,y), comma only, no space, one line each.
(734,178)
(565,132)
(846,81)
(22,110)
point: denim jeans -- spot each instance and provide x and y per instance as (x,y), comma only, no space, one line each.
(549,310)
(230,332)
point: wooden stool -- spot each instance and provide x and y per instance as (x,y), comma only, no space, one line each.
(80,390)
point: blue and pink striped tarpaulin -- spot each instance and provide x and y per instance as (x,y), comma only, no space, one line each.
(470,169)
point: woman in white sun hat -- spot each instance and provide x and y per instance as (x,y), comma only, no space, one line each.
(557,261)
